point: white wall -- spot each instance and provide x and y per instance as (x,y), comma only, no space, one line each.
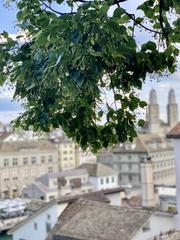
(159,222)
(28,231)
(114,198)
(96,181)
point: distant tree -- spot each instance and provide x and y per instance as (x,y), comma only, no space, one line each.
(70,60)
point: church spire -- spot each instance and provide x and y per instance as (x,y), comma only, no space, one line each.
(152,97)
(172,109)
(171,97)
(153,113)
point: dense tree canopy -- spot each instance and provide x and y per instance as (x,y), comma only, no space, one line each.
(73,53)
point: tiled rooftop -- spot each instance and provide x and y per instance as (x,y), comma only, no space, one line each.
(98,169)
(18,146)
(89,220)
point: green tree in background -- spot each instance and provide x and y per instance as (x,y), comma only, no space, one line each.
(70,60)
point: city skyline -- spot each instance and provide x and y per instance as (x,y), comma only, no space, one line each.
(10,109)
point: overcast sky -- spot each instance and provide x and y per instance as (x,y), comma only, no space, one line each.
(10,109)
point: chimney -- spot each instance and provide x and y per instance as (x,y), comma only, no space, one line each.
(147,183)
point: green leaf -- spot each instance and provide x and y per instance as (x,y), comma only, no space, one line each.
(149,45)
(104,9)
(117,97)
(139,20)
(118,12)
(59,1)
(141,122)
(5,34)
(100,113)
(142,104)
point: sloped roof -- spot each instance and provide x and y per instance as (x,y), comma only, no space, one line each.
(174,132)
(18,146)
(89,220)
(65,173)
(98,169)
(144,144)
(98,196)
(4,135)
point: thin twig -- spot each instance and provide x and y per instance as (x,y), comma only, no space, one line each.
(161,20)
(132,16)
(57,12)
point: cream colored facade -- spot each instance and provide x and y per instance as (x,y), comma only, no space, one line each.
(22,162)
(85,156)
(126,159)
(66,153)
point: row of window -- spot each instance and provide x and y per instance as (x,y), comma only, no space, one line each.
(167,163)
(107,180)
(164,174)
(162,154)
(154,155)
(26,160)
(68,152)
(66,145)
(48,225)
(129,167)
(130,178)
(67,158)
(50,169)
(7,179)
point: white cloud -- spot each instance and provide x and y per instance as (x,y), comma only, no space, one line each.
(6,92)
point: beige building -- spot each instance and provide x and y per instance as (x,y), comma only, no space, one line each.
(21,162)
(85,156)
(66,153)
(126,159)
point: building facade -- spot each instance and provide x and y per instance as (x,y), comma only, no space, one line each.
(126,159)
(37,225)
(101,176)
(22,162)
(85,156)
(53,185)
(66,153)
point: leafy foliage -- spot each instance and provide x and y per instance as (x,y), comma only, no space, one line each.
(64,63)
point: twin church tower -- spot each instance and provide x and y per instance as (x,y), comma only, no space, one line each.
(153,122)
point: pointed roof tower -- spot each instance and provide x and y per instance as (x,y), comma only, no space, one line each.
(153,113)
(152,97)
(172,109)
(171,97)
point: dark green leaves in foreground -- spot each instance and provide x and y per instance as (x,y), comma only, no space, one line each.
(80,69)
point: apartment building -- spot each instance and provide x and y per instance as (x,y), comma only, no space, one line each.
(126,159)
(21,162)
(66,152)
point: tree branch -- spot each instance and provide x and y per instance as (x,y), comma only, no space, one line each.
(132,16)
(161,20)
(55,11)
